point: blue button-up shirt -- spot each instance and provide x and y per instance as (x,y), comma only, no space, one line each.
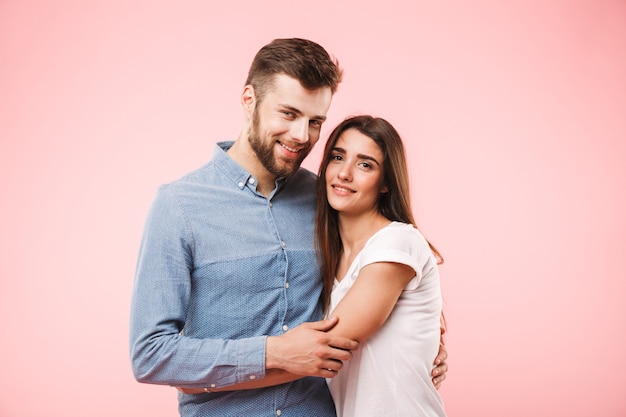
(220,267)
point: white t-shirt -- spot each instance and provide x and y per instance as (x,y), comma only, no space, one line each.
(389,375)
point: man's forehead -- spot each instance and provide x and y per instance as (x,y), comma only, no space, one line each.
(290,94)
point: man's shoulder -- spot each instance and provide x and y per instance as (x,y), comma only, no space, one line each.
(204,173)
(197,175)
(186,185)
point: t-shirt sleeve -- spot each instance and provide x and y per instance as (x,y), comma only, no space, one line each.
(403,245)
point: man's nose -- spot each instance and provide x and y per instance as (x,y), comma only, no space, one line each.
(300,130)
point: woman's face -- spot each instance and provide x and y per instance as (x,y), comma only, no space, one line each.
(354,175)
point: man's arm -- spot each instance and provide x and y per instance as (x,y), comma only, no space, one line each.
(160,354)
(307,350)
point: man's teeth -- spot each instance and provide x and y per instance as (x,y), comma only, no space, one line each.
(294,150)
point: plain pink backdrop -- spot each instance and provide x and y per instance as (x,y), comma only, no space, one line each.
(514,114)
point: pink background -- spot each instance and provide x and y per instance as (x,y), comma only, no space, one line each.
(514,114)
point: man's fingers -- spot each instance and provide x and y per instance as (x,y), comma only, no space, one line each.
(333,341)
(441,357)
(439,374)
(309,350)
(440,369)
(323,325)
(437,381)
(444,355)
(333,365)
(344,344)
(330,368)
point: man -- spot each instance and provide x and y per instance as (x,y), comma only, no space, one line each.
(227,285)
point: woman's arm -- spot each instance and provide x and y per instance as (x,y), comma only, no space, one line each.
(367,305)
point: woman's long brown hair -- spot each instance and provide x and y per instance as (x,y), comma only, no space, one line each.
(395,204)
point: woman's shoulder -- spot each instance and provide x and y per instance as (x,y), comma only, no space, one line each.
(396,232)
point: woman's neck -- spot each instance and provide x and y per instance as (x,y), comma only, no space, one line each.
(356,230)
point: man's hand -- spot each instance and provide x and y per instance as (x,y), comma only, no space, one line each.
(308,350)
(441,367)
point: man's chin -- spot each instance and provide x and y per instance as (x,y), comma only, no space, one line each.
(289,166)
(287,170)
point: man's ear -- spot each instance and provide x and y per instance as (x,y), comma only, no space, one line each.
(248,100)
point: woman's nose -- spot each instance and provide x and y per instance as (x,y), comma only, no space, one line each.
(345,173)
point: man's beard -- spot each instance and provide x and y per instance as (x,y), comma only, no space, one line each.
(265,152)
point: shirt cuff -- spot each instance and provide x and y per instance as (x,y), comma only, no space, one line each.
(251,359)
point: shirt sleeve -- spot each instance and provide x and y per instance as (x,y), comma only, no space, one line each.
(404,245)
(160,354)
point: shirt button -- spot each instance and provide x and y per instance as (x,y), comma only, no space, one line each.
(286,285)
(278,412)
(285,327)
(271,205)
(251,180)
(252,376)
(240,184)
(283,244)
(212,385)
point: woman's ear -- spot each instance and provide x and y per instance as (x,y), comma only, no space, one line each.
(384,189)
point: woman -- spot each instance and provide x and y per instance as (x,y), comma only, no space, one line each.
(380,274)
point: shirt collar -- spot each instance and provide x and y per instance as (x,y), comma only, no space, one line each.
(233,170)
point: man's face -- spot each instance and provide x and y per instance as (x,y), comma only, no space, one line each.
(286,124)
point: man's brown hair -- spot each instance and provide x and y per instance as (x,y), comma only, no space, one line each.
(304,60)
